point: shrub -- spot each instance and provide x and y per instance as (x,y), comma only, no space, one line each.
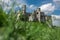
(2,17)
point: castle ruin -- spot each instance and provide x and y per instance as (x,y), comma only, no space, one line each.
(37,15)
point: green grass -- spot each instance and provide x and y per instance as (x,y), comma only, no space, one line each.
(32,31)
(40,31)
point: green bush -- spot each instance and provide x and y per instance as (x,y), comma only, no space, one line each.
(2,17)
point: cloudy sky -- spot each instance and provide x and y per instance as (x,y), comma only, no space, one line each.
(47,6)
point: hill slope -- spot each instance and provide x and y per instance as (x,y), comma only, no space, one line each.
(31,31)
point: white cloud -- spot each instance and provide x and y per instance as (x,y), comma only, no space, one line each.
(10,3)
(20,1)
(55,20)
(56,0)
(47,8)
(57,4)
(33,7)
(6,1)
(7,8)
(20,6)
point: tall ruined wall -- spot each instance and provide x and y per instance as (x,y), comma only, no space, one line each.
(24,9)
(30,18)
(34,16)
(18,15)
(42,17)
(38,14)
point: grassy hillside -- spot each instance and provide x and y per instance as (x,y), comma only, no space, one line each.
(30,31)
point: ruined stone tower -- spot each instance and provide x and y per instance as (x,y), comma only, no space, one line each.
(24,9)
(24,13)
(38,12)
(30,18)
(42,17)
(35,16)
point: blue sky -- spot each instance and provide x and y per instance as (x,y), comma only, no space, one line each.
(37,2)
(47,6)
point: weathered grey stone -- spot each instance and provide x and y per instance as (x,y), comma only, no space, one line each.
(24,9)
(38,14)
(42,17)
(18,15)
(30,18)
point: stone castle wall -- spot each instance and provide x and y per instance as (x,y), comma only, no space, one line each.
(37,15)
